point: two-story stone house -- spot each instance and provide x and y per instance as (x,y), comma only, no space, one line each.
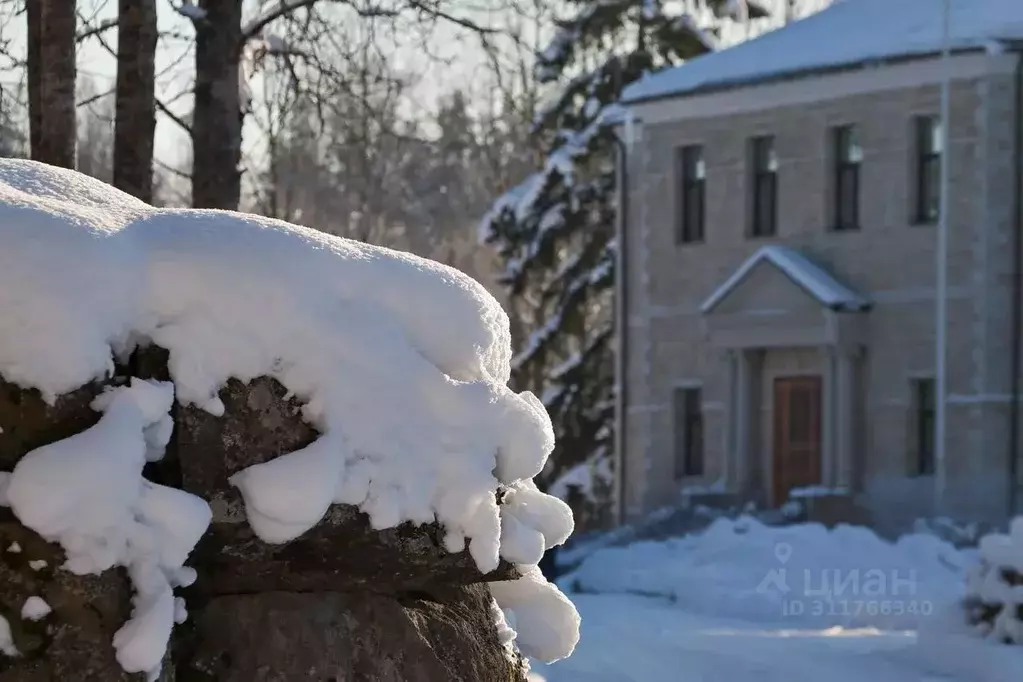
(778,310)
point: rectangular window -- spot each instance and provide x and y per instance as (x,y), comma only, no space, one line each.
(923,426)
(764,188)
(692,173)
(688,407)
(848,156)
(929,149)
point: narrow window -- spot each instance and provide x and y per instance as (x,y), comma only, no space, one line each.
(688,432)
(923,426)
(929,149)
(848,156)
(765,187)
(691,214)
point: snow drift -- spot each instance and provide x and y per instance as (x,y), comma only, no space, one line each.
(789,575)
(401,363)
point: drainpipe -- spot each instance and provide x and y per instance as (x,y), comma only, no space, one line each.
(1016,333)
(621,317)
(941,276)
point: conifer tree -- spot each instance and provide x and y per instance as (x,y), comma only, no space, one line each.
(555,231)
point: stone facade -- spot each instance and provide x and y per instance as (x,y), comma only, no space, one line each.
(889,260)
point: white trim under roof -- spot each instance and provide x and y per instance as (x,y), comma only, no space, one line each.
(821,86)
(809,276)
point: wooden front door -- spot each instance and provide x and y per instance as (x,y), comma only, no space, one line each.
(797,434)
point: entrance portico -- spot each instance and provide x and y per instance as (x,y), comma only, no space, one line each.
(793,338)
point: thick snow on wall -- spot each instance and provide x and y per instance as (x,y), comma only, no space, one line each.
(402,363)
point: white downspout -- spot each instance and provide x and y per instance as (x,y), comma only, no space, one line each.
(623,148)
(941,276)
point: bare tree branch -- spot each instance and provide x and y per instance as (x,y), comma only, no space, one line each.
(435,11)
(95,97)
(282,8)
(172,116)
(159,104)
(96,29)
(171,169)
(285,8)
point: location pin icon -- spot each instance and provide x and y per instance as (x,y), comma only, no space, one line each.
(783,551)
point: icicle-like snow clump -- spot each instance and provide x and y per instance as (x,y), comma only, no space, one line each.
(545,621)
(87,493)
(402,363)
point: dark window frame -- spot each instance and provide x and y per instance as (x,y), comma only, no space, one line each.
(689,431)
(924,408)
(691,217)
(763,187)
(928,149)
(845,211)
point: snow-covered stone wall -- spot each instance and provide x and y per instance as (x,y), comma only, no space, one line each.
(227,406)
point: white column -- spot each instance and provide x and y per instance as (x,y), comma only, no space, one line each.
(744,377)
(828,413)
(846,416)
(728,433)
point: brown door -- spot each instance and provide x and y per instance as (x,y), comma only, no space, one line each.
(797,434)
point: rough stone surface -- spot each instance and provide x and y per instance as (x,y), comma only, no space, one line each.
(342,603)
(28,422)
(74,641)
(354,636)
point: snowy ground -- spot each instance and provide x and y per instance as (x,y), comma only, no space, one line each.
(744,602)
(638,639)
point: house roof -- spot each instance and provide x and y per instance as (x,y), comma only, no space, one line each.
(809,276)
(849,33)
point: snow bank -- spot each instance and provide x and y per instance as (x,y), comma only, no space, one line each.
(994,595)
(402,365)
(791,574)
(947,648)
(962,535)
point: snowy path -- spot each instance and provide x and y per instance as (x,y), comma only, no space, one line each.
(633,639)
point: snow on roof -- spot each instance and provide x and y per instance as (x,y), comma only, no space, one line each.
(847,33)
(814,279)
(402,364)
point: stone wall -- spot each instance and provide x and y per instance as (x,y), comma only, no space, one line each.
(341,603)
(889,259)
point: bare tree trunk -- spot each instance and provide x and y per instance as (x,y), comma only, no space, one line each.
(34,15)
(135,118)
(217,122)
(51,81)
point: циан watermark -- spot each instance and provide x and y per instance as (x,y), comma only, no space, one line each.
(843,592)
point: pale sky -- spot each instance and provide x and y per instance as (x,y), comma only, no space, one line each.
(456,62)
